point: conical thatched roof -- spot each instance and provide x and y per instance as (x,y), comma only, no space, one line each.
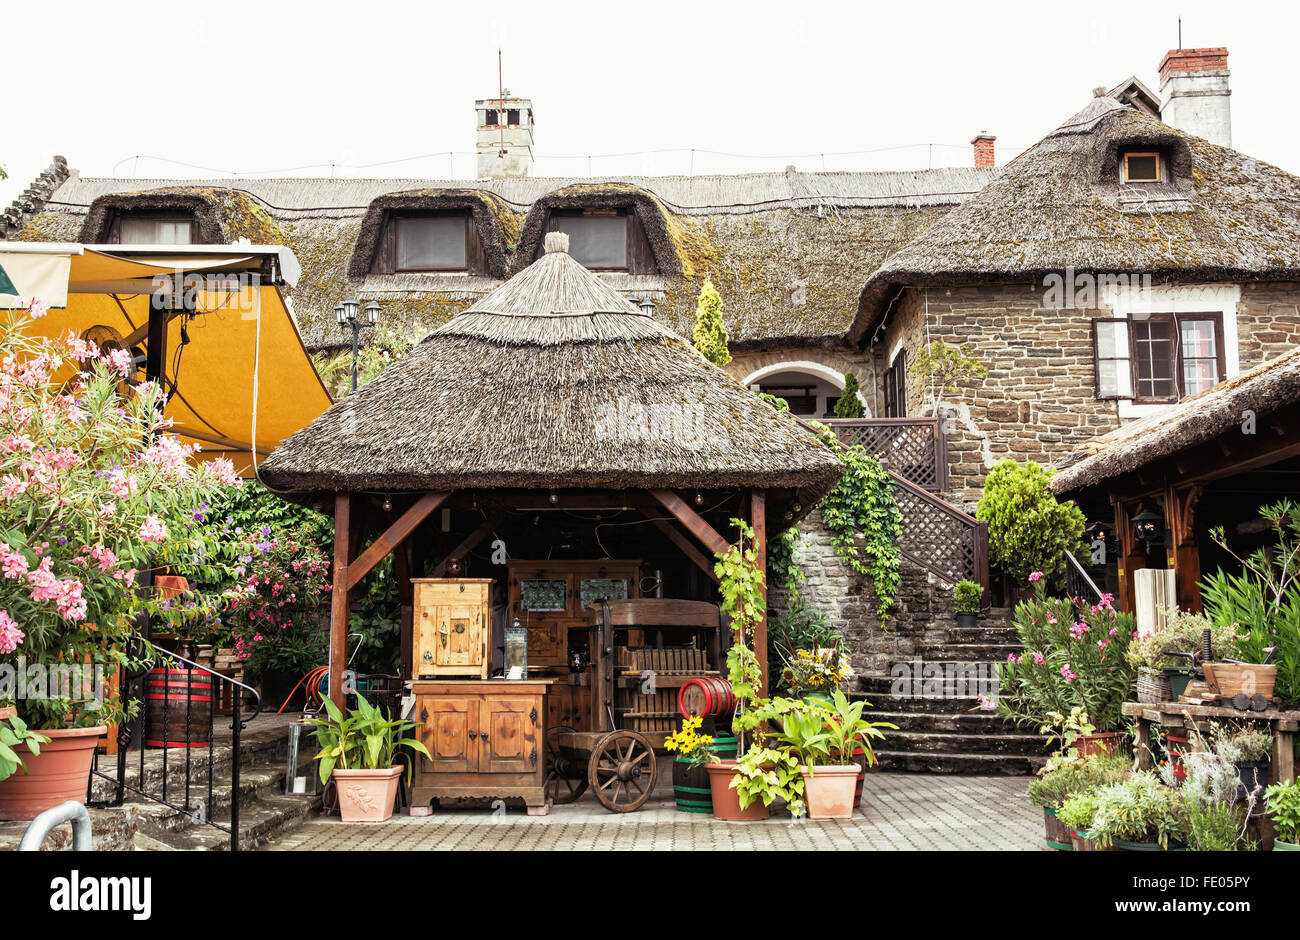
(1059,205)
(553,380)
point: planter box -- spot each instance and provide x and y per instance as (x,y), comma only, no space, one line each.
(828,790)
(61,772)
(366,796)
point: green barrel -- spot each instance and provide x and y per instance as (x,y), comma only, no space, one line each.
(691,784)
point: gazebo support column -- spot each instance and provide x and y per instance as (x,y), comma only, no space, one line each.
(758,519)
(1184,551)
(339,597)
(1131,556)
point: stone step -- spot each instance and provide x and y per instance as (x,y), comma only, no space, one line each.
(112,830)
(982,634)
(994,741)
(950,721)
(933,762)
(952,704)
(968,688)
(991,652)
(253,781)
(171,765)
(261,821)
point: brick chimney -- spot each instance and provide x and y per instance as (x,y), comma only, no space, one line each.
(983,144)
(1195,93)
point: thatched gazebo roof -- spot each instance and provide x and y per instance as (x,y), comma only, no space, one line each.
(553,380)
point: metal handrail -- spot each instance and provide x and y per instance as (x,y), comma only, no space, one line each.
(126,732)
(40,827)
(1077,576)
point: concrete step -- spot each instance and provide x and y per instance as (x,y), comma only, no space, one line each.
(264,819)
(933,762)
(170,764)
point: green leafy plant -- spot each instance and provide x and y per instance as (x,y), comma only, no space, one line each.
(1029,529)
(363,739)
(1053,786)
(710,334)
(863,502)
(849,405)
(765,773)
(14,733)
(740,584)
(1074,657)
(1283,804)
(1238,743)
(966,597)
(1139,809)
(828,734)
(945,367)
(1217,807)
(1077,810)
(1264,599)
(1066,730)
(698,749)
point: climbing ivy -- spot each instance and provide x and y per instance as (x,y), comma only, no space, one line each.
(784,555)
(863,502)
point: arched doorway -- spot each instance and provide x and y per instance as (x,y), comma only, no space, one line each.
(811,388)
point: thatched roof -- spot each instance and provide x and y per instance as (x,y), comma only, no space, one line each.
(553,380)
(1061,205)
(788,251)
(1264,390)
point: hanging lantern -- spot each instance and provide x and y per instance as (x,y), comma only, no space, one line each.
(1149,526)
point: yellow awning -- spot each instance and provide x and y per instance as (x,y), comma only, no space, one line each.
(241,346)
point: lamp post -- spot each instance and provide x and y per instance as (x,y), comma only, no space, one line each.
(346,314)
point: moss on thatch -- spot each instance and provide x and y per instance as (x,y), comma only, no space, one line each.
(50,226)
(1059,205)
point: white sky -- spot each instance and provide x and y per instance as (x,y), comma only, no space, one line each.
(260,88)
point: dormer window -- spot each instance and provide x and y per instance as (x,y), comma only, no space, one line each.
(432,242)
(1142,167)
(597,239)
(150,228)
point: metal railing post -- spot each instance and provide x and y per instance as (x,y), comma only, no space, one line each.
(71,811)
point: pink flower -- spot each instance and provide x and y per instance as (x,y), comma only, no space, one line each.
(10,635)
(37,309)
(1114,631)
(1036,576)
(12,485)
(1068,673)
(988,703)
(14,563)
(120,361)
(153,529)
(1038,659)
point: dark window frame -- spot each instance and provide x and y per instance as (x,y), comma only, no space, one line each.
(1097,358)
(114,235)
(895,387)
(626,214)
(1175,320)
(399,217)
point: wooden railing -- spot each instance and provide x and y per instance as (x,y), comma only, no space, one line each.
(913,448)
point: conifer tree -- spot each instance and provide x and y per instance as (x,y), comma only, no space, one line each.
(849,406)
(710,336)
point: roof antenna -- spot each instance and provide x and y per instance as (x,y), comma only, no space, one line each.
(1180,34)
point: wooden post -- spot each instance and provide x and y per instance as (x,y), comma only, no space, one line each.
(1184,550)
(406,605)
(339,599)
(1131,557)
(758,519)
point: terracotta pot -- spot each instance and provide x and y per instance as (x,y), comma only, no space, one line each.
(1098,745)
(726,801)
(828,790)
(366,796)
(61,772)
(8,711)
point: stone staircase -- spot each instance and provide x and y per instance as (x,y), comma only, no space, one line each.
(942,728)
(265,811)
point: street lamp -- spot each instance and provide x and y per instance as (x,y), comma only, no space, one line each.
(346,314)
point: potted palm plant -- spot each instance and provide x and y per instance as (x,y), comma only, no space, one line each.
(824,739)
(966,597)
(359,750)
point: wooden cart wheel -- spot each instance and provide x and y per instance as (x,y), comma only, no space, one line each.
(622,771)
(566,778)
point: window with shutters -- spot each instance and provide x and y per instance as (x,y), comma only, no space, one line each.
(1158,358)
(896,387)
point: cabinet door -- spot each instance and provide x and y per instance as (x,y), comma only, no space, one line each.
(460,635)
(509,740)
(450,732)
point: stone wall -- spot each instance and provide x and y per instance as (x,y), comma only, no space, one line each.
(34,197)
(1268,322)
(849,602)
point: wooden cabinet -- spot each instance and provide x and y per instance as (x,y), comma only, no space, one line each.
(486,738)
(452,627)
(551,598)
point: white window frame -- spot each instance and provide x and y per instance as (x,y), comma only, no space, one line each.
(1200,298)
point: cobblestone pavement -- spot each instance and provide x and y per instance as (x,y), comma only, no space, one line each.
(898,812)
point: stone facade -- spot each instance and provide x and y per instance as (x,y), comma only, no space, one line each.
(920,609)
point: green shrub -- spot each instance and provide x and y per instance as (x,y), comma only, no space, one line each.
(1182,633)
(966,596)
(848,405)
(1284,807)
(710,335)
(1139,809)
(1050,790)
(1077,811)
(1029,529)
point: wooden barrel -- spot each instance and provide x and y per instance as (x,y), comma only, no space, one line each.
(706,695)
(179,700)
(691,784)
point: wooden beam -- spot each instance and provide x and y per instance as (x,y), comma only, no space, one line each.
(339,598)
(393,536)
(686,546)
(758,519)
(1131,557)
(405,606)
(1184,547)
(693,521)
(468,543)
